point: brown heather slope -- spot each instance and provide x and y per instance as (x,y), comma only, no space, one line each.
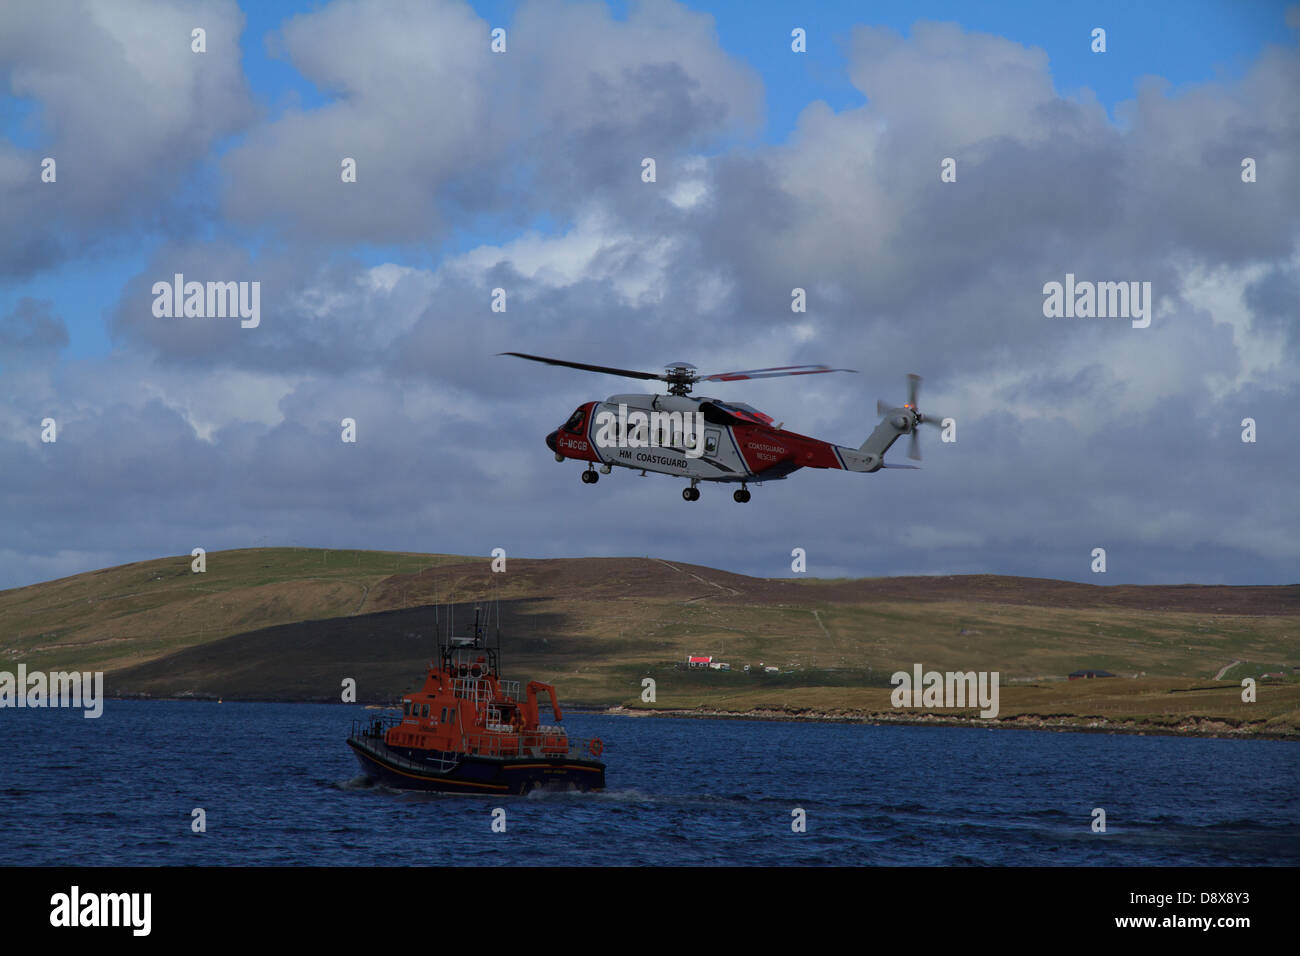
(291,623)
(598,578)
(1045,592)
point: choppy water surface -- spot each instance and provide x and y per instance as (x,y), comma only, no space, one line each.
(280,786)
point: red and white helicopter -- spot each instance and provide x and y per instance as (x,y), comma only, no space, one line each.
(706,439)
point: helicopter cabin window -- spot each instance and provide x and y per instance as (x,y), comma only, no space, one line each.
(711,441)
(574,424)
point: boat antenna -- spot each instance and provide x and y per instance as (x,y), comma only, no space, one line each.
(437,635)
(496,607)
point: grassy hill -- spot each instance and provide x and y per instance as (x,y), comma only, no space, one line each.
(292,623)
(115,617)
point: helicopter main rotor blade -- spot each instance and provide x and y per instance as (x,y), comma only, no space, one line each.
(626,373)
(772,372)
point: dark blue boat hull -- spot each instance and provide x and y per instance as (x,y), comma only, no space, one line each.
(472,773)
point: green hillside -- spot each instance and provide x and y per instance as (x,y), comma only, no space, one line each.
(292,623)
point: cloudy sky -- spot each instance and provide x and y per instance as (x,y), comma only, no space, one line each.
(775,169)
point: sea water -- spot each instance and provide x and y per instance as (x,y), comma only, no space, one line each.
(277,785)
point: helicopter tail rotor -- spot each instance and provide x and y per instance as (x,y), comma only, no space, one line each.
(896,421)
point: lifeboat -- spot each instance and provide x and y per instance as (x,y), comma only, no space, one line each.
(466,730)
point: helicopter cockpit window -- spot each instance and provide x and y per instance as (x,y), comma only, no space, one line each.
(574,424)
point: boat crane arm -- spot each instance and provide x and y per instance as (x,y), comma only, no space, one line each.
(530,705)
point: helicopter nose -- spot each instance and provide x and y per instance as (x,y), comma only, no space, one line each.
(550,441)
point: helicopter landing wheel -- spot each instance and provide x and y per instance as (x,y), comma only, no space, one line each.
(691,494)
(590,477)
(741,495)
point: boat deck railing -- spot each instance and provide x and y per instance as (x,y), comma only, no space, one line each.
(477,689)
(370,731)
(375,725)
(545,742)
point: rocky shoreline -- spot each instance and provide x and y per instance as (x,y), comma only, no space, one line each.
(1187,727)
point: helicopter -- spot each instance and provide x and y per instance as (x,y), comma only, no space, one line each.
(707,439)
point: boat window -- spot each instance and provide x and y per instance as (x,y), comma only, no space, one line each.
(443,719)
(406,708)
(574,424)
(426,711)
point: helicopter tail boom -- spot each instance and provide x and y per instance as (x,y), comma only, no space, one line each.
(870,455)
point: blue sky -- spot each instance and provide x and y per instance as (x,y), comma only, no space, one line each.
(1184,42)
